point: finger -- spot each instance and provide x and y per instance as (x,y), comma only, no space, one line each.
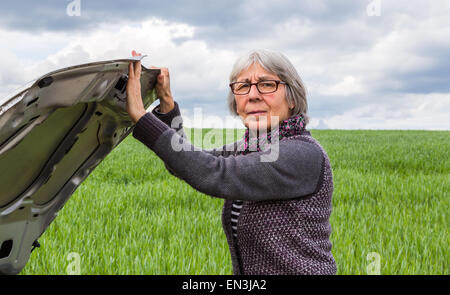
(137,69)
(160,76)
(133,53)
(165,72)
(130,71)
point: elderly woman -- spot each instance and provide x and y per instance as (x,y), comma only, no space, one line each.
(277,209)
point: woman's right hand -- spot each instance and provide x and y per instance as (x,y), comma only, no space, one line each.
(163,90)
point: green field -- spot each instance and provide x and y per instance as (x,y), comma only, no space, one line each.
(131,216)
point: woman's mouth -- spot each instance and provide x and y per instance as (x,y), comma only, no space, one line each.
(256,113)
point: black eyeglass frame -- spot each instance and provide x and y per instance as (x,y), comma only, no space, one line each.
(256,84)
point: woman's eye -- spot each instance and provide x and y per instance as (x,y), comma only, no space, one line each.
(242,86)
(267,84)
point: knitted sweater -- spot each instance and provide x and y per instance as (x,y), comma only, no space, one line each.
(283,226)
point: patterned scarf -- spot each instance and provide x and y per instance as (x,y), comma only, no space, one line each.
(260,142)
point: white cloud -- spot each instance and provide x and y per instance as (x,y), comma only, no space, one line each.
(348,86)
(411,111)
(194,66)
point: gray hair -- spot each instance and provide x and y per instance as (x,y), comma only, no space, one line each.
(278,64)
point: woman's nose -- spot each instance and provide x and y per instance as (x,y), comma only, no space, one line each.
(254,93)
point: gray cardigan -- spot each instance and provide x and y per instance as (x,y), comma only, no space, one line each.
(283,227)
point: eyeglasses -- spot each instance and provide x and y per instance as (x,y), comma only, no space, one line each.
(264,87)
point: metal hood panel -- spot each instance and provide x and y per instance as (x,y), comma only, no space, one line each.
(52,135)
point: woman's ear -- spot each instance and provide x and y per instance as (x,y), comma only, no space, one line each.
(291,109)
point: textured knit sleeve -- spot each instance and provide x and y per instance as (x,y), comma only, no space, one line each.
(295,172)
(172,119)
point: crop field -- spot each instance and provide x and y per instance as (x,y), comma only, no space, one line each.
(131,216)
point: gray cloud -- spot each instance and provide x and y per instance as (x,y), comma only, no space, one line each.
(326,40)
(50,15)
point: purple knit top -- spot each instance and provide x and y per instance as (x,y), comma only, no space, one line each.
(283,226)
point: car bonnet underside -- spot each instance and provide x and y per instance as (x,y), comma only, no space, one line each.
(52,135)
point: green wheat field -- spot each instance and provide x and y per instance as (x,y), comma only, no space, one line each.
(131,216)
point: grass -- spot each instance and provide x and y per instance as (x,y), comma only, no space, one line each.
(130,216)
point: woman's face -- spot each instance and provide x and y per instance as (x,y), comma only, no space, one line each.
(256,109)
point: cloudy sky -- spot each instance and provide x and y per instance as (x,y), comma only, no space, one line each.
(367,64)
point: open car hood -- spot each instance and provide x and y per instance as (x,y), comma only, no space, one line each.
(52,135)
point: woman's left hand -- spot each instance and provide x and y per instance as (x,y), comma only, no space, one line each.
(135,106)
